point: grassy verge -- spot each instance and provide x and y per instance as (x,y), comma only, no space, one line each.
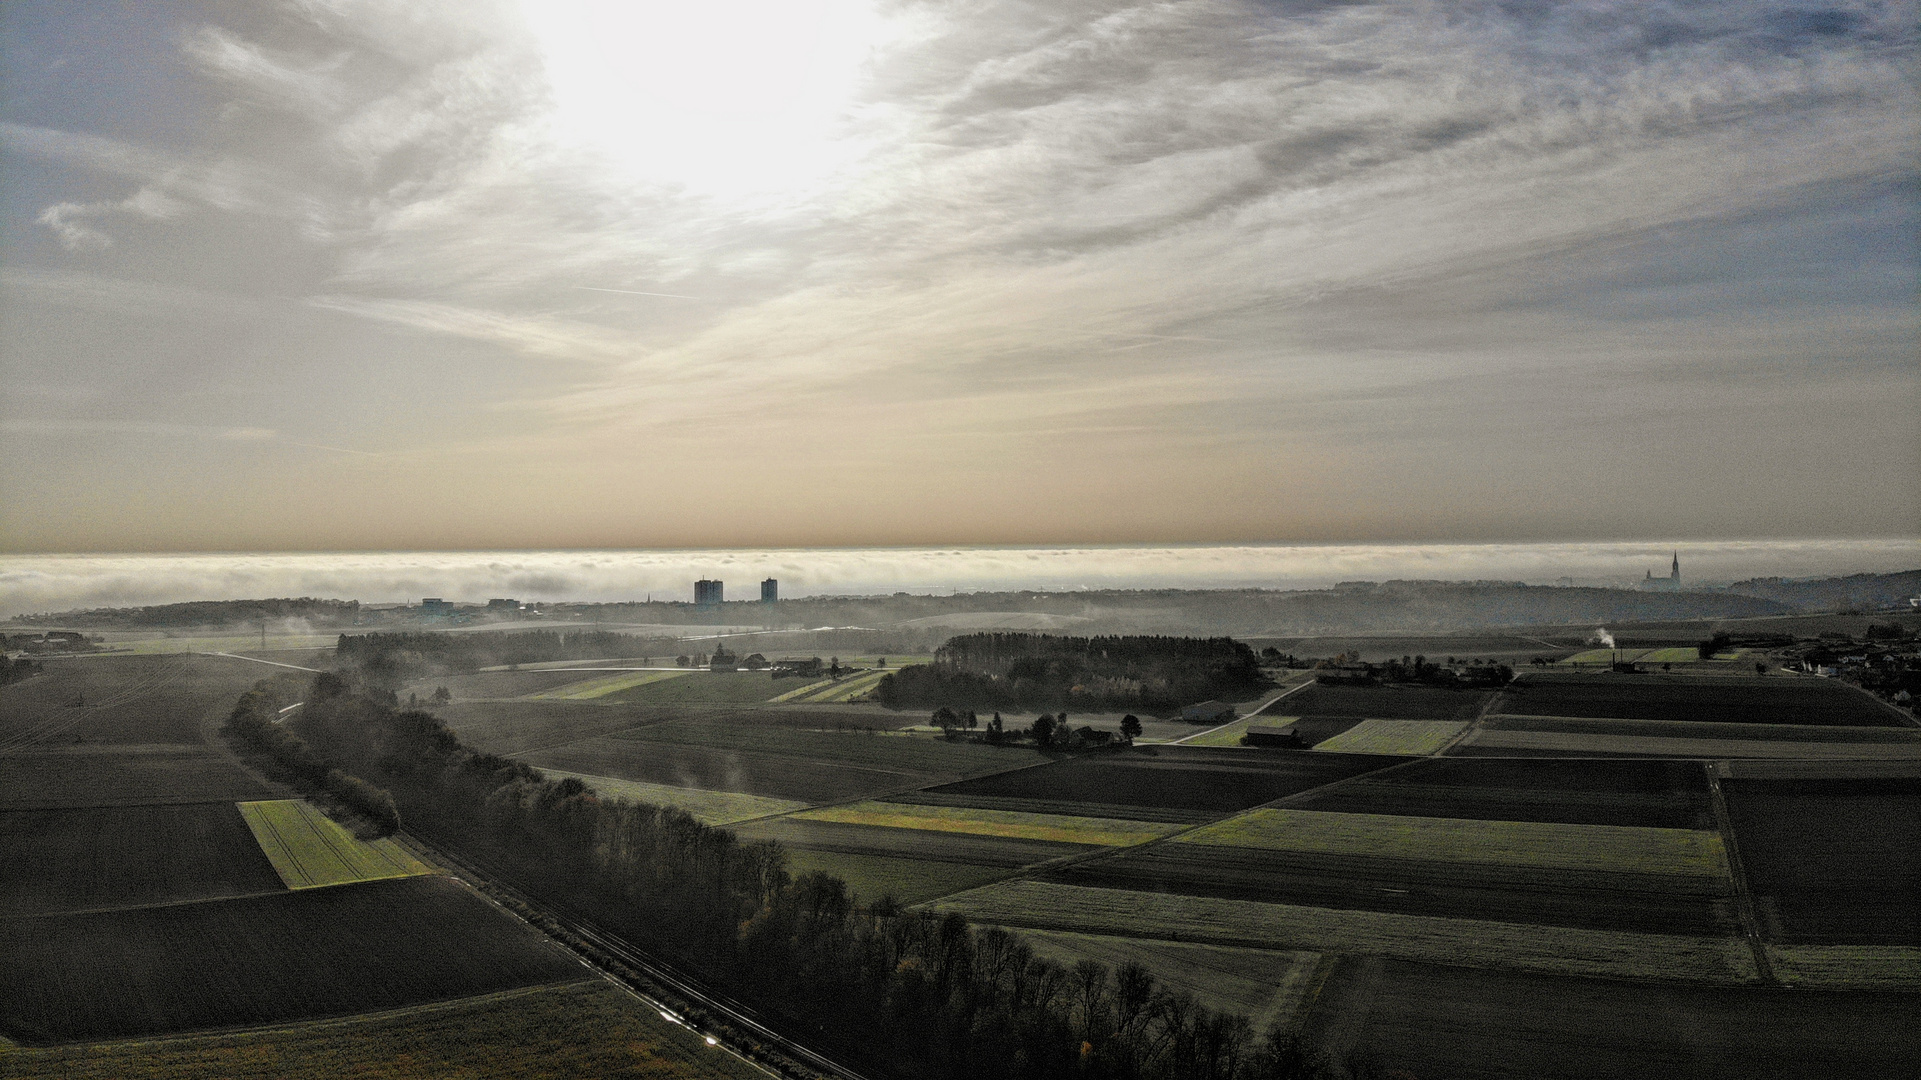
(1616,848)
(308,850)
(1263,985)
(1110,832)
(583,1029)
(1414,737)
(1466,942)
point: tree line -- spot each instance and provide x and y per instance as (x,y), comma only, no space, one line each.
(1025,671)
(897,993)
(389,659)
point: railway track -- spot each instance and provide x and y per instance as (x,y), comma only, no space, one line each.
(688,988)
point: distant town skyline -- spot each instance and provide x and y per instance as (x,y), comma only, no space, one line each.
(360,275)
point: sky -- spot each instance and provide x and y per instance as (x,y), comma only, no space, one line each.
(333,275)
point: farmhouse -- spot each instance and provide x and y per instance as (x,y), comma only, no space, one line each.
(1274,735)
(1206,711)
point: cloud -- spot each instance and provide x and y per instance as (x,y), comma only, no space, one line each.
(30,583)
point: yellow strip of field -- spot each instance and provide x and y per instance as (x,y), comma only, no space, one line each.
(1848,967)
(1395,736)
(593,688)
(710,807)
(308,850)
(1475,942)
(1063,828)
(1612,848)
(810,688)
(832,691)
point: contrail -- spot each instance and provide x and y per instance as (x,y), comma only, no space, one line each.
(633,292)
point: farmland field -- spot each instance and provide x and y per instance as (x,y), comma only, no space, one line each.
(1617,954)
(1652,903)
(92,775)
(1716,698)
(1214,779)
(863,748)
(1231,734)
(515,727)
(1392,702)
(1670,729)
(499,685)
(262,960)
(996,851)
(1645,793)
(76,859)
(600,686)
(1263,985)
(715,687)
(1411,737)
(1848,967)
(1608,848)
(910,881)
(122,700)
(1454,1023)
(775,776)
(1508,742)
(309,851)
(709,807)
(1831,862)
(574,1029)
(1014,824)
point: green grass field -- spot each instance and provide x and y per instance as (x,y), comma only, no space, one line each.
(702,687)
(1848,967)
(229,643)
(1620,849)
(710,807)
(911,881)
(308,850)
(580,1029)
(589,689)
(1411,737)
(1062,828)
(1472,942)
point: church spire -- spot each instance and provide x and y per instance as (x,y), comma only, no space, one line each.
(1675,574)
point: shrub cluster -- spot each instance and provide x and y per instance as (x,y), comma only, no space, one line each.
(287,757)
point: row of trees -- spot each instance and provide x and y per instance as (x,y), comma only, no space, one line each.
(1007,671)
(903,994)
(389,660)
(253,729)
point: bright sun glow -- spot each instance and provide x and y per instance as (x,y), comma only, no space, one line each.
(726,100)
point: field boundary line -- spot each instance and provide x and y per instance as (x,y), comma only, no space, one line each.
(256,660)
(187,902)
(1743,899)
(1480,718)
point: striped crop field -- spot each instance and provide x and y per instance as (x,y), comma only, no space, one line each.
(1848,967)
(803,692)
(308,850)
(1062,828)
(1685,655)
(1411,737)
(1474,942)
(846,689)
(710,807)
(1612,848)
(590,689)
